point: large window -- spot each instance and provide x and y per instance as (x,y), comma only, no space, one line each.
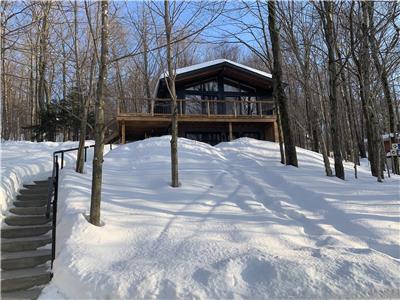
(232,86)
(193,105)
(211,138)
(204,86)
(240,98)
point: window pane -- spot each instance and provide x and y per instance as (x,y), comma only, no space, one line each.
(230,88)
(193,105)
(211,86)
(230,105)
(197,87)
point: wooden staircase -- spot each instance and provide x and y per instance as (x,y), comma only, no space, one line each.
(112,132)
(26,244)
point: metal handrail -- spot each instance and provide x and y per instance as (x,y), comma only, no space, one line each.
(52,196)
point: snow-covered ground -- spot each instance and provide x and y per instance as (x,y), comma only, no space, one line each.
(241,226)
(24,162)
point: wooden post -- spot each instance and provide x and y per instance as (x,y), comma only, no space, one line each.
(152,107)
(208,107)
(181,106)
(276,133)
(260,108)
(123,141)
(230,132)
(234,108)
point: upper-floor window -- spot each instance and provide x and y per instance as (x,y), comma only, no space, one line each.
(237,87)
(205,86)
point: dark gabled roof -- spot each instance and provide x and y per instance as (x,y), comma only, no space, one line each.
(209,68)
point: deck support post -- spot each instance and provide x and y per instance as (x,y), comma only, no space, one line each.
(276,132)
(123,141)
(230,132)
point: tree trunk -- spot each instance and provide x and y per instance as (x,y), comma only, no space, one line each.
(3,92)
(82,100)
(383,76)
(99,125)
(172,91)
(290,148)
(333,98)
(44,32)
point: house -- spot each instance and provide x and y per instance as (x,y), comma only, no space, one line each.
(218,101)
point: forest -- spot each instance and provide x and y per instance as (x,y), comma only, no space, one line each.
(336,65)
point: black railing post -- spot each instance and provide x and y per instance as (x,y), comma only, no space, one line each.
(53,194)
(53,246)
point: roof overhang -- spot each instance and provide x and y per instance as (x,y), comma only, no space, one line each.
(213,68)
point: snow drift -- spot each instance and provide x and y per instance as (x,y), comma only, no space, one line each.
(241,226)
(24,162)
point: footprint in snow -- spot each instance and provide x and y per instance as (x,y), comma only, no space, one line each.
(202,276)
(258,271)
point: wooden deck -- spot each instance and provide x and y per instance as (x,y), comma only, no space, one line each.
(153,116)
(194,118)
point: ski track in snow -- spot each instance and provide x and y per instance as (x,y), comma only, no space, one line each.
(241,226)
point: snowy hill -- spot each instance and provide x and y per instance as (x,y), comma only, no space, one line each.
(241,226)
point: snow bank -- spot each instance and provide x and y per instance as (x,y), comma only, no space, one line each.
(241,226)
(24,162)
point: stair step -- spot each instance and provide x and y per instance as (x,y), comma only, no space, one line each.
(31,197)
(34,191)
(26,220)
(24,243)
(45,184)
(24,259)
(15,280)
(31,203)
(30,294)
(28,211)
(24,231)
(39,182)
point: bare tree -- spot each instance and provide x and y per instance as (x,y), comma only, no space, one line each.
(172,91)
(97,174)
(279,92)
(382,70)
(326,12)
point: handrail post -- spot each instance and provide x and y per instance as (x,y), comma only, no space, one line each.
(234,108)
(260,108)
(54,223)
(208,107)
(62,159)
(85,153)
(180,107)
(152,107)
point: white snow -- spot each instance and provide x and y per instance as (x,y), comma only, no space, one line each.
(23,162)
(241,226)
(220,61)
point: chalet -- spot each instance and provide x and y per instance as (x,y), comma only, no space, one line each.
(218,101)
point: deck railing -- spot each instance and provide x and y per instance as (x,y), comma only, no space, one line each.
(211,107)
